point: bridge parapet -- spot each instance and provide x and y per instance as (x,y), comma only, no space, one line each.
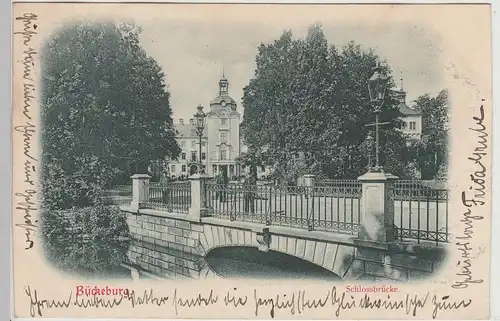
(370,252)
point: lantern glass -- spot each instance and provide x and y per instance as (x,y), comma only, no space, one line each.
(200,119)
(377,85)
(199,122)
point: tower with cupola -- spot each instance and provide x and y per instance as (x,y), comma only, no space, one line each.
(223,122)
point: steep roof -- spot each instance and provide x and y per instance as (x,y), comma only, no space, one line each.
(407,111)
(217,100)
(185,131)
(217,110)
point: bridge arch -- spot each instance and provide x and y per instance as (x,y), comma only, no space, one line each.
(244,261)
(336,258)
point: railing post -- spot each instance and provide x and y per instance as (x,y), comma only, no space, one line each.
(308,180)
(198,201)
(140,190)
(377,208)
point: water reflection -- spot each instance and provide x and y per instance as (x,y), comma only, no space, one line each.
(95,259)
(90,242)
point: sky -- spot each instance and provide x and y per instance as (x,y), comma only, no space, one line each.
(192,53)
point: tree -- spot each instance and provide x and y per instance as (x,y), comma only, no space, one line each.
(103,104)
(251,159)
(308,100)
(432,149)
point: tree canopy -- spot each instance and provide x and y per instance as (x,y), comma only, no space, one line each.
(310,100)
(104,103)
(432,149)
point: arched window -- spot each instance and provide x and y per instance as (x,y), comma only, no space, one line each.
(223,152)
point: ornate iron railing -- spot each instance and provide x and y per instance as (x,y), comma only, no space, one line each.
(350,188)
(420,211)
(312,208)
(119,195)
(175,197)
(337,183)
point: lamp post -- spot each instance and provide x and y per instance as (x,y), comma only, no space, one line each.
(200,119)
(369,145)
(377,86)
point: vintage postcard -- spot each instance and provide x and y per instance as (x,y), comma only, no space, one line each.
(257,161)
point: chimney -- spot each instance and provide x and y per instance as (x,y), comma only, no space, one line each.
(181,121)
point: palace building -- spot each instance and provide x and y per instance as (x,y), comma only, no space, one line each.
(221,141)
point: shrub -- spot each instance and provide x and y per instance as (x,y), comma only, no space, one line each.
(85,240)
(81,187)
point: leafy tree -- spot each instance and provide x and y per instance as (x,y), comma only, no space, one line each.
(432,149)
(251,159)
(309,99)
(104,105)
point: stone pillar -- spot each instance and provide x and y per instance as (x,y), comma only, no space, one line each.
(308,180)
(140,190)
(377,209)
(198,201)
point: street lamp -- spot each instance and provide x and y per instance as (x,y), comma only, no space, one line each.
(200,119)
(377,86)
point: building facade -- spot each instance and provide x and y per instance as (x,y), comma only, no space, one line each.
(411,118)
(190,159)
(220,139)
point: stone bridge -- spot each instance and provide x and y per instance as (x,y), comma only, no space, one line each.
(173,245)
